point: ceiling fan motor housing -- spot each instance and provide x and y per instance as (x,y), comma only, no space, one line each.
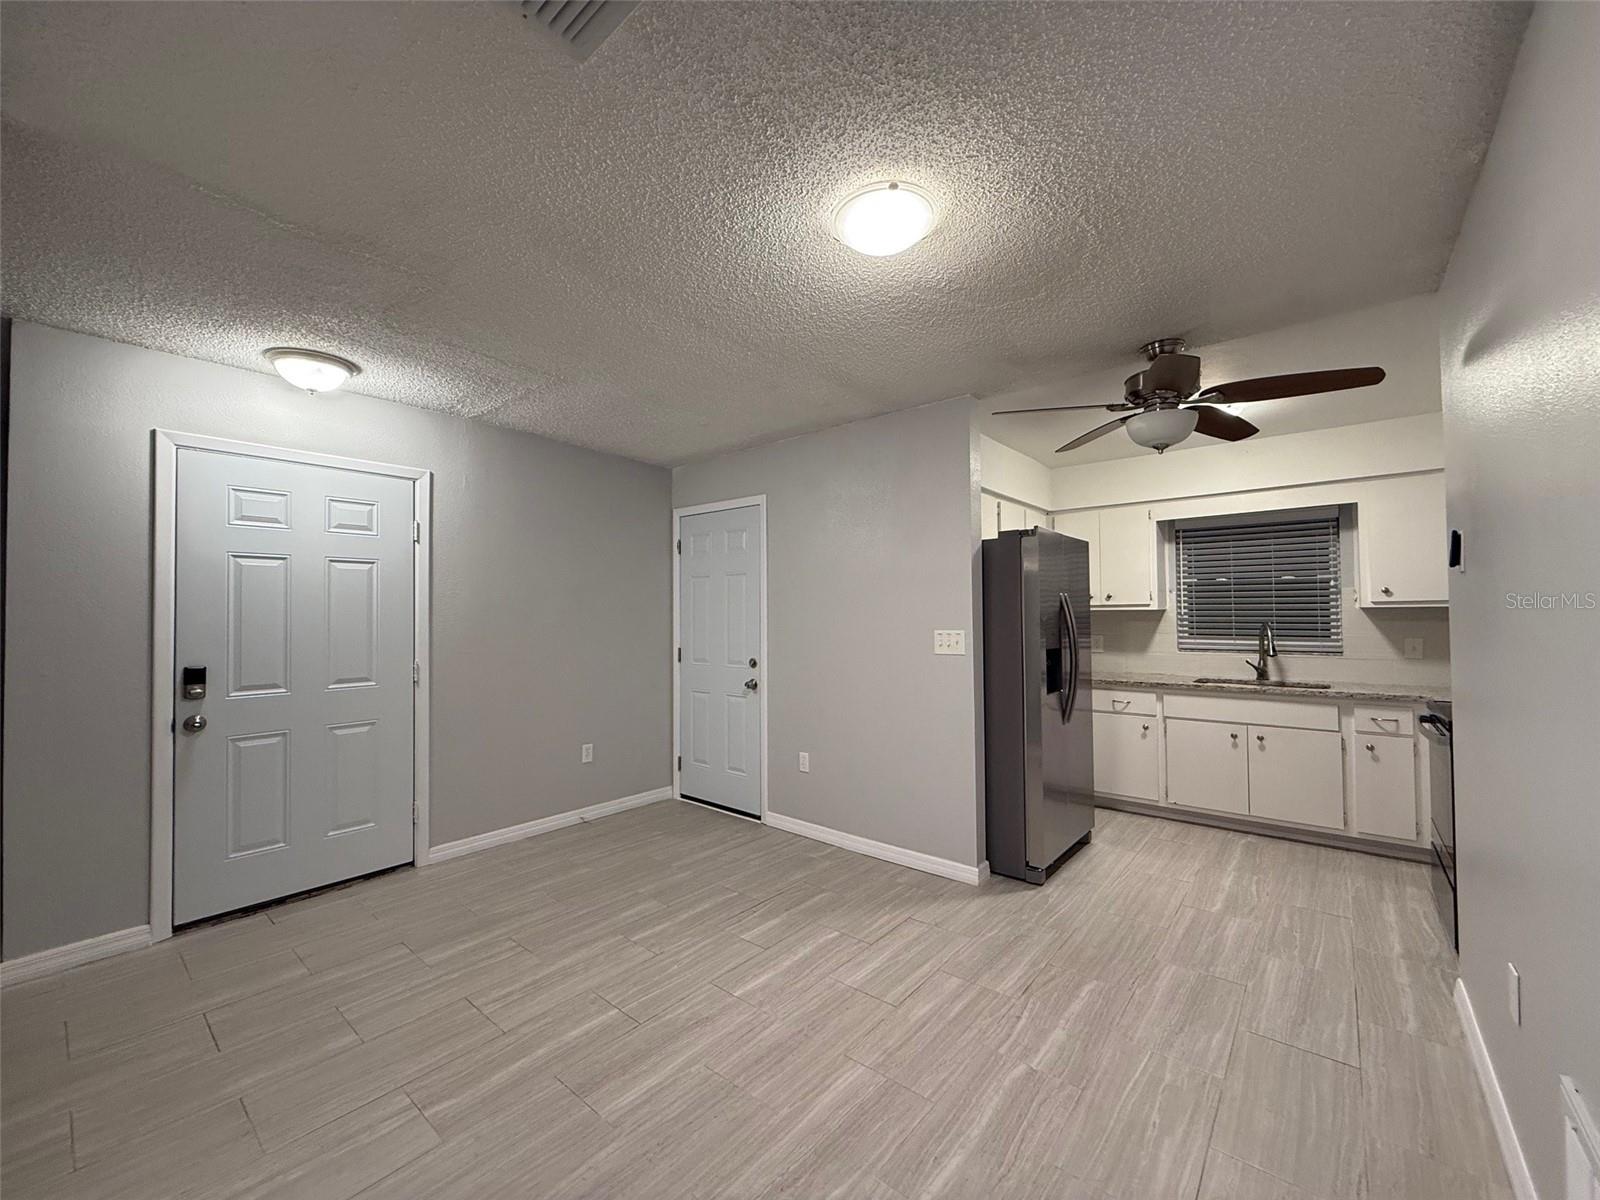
(1169,378)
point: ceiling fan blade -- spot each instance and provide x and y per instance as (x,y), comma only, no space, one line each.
(1214,422)
(1305,383)
(1011,412)
(1097,431)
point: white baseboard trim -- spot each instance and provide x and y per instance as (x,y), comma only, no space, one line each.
(75,954)
(528,829)
(1505,1133)
(914,859)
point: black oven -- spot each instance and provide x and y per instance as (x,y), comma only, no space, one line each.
(1438,726)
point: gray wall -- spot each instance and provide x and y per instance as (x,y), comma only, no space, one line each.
(551,613)
(870,540)
(1520,349)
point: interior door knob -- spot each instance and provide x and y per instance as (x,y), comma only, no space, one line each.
(194,724)
(751,684)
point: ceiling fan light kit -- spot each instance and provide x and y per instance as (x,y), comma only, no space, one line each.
(1166,403)
(1162,427)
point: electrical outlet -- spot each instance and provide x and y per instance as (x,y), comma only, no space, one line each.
(1412,647)
(1514,992)
(949,641)
(1097,642)
(588,752)
(805,761)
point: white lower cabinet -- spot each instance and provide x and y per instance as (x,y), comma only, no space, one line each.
(1383,786)
(1208,766)
(1297,775)
(1125,761)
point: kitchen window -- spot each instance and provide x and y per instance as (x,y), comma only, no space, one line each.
(1235,573)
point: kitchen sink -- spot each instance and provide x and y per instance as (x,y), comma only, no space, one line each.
(1280,683)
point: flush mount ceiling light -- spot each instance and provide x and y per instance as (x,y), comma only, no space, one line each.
(884,219)
(311,370)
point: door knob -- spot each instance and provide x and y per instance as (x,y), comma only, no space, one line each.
(751,684)
(194,724)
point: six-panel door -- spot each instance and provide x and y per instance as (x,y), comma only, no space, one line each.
(295,594)
(720,673)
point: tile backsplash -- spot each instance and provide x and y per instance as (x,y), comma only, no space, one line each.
(1374,645)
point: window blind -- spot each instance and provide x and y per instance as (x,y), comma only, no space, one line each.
(1233,577)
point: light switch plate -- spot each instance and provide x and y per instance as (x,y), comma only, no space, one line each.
(949,641)
(1412,647)
(1514,992)
(588,752)
(805,761)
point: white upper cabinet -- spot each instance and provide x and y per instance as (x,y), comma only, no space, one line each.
(1085,525)
(1124,555)
(1401,544)
(999,514)
(1128,559)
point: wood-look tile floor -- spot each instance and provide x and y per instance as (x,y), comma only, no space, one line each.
(675,1003)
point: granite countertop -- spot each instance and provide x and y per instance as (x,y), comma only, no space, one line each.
(1381,693)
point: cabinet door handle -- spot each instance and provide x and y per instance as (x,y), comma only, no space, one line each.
(1262,738)
(1234,736)
(1146,728)
(1371,747)
(1386,591)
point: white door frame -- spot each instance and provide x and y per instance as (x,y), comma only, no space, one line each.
(163,666)
(678,514)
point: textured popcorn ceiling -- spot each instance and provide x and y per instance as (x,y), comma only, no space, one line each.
(633,254)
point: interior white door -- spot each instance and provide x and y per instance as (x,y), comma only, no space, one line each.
(294,595)
(719,680)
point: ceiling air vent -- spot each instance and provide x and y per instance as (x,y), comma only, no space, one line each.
(579,25)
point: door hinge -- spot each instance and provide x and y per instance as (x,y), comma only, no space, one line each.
(416,671)
(679,545)
(416,531)
(680,653)
(680,762)
(413,810)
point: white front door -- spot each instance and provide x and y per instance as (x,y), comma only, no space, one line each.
(719,633)
(294,597)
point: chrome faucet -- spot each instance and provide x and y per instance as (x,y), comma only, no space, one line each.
(1266,647)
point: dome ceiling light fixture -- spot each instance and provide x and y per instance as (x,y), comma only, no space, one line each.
(884,219)
(1166,402)
(311,370)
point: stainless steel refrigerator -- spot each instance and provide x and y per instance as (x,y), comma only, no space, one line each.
(1037,712)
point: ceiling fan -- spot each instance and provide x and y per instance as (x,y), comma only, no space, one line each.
(1166,403)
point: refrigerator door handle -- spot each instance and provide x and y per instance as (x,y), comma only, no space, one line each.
(1069,643)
